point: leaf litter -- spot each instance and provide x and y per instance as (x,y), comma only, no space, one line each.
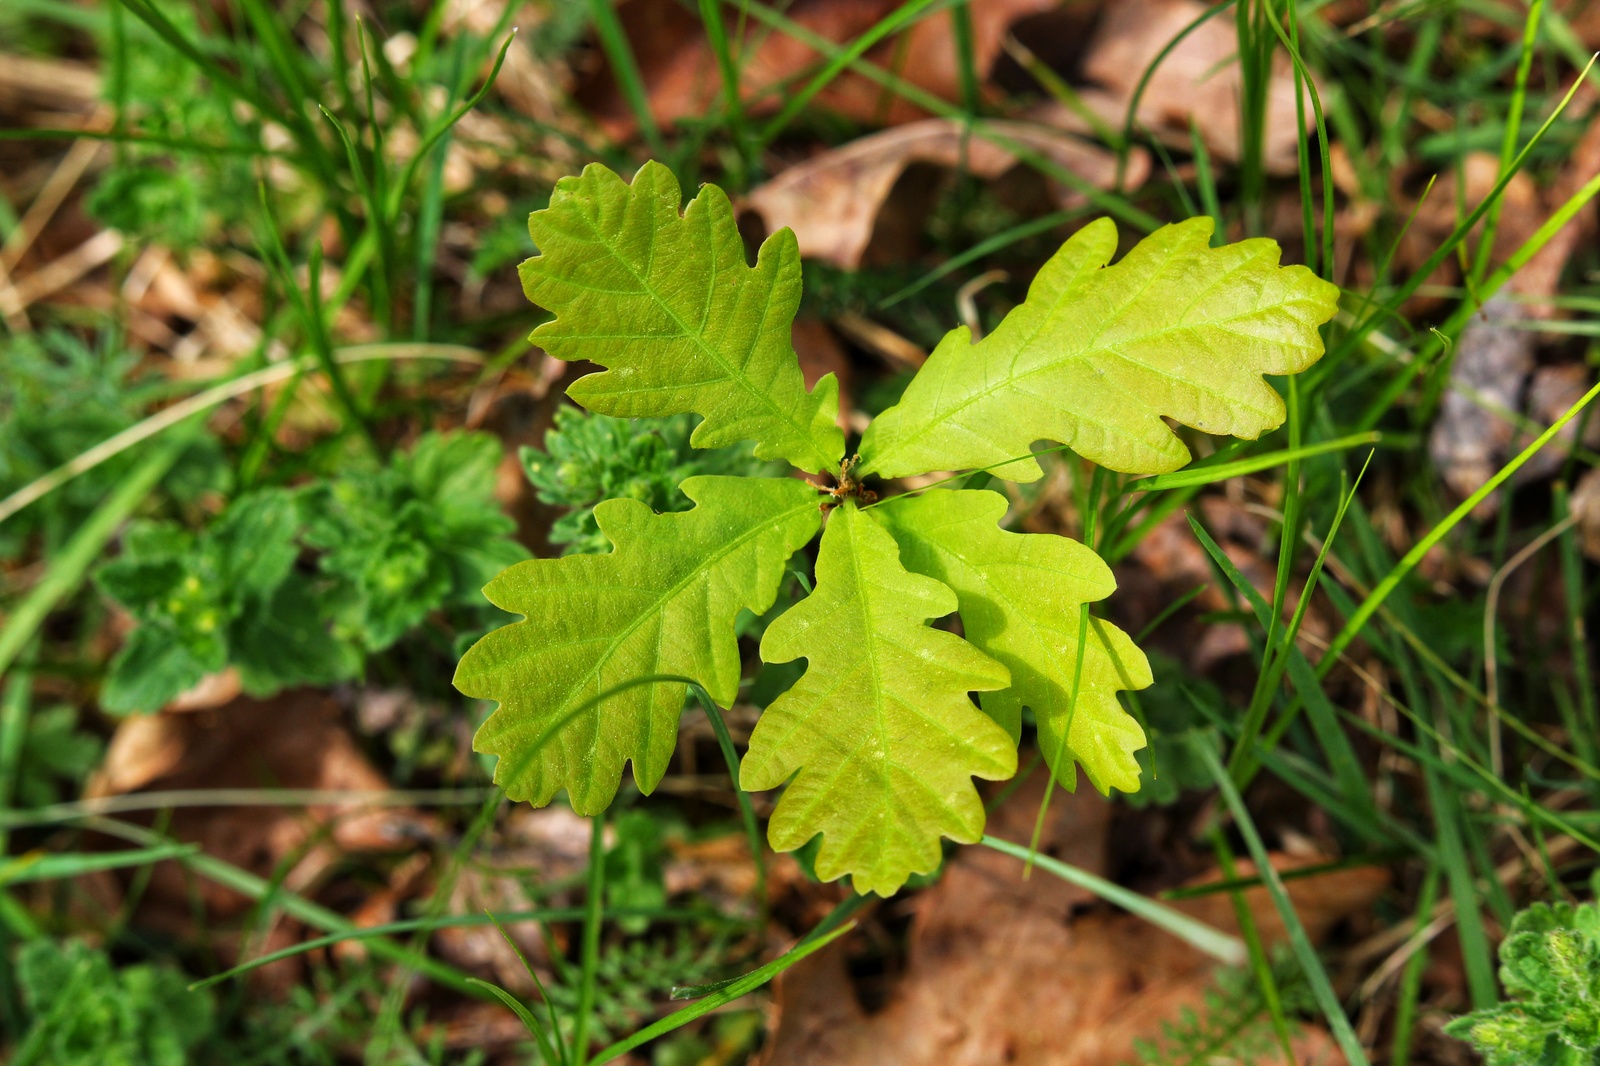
(1032,972)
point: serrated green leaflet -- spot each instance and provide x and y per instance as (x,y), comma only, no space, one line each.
(880,727)
(1550,967)
(668,304)
(1020,596)
(662,602)
(1097,354)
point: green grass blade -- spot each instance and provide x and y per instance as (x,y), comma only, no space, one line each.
(49,866)
(1448,247)
(526,1016)
(614,42)
(1130,117)
(397,190)
(728,68)
(1508,144)
(1210,473)
(1206,184)
(1260,964)
(1410,992)
(747,810)
(897,20)
(1003,239)
(1299,942)
(1363,614)
(1335,745)
(1197,934)
(966,60)
(457,921)
(559,1054)
(1276,656)
(1110,203)
(593,917)
(745,985)
(313,914)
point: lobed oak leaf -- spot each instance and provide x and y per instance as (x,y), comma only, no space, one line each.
(1097,355)
(668,304)
(879,734)
(578,679)
(1019,596)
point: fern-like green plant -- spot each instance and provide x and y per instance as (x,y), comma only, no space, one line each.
(86,1012)
(1550,966)
(590,458)
(396,544)
(1233,1025)
(879,739)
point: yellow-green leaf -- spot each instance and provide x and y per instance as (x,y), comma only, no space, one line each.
(879,734)
(668,303)
(1097,355)
(1020,597)
(663,602)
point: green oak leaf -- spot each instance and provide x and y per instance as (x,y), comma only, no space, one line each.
(669,305)
(663,602)
(1020,595)
(1097,355)
(880,727)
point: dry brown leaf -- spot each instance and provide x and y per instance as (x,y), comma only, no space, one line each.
(820,352)
(1000,970)
(831,201)
(682,80)
(1171,557)
(481,949)
(293,740)
(1198,82)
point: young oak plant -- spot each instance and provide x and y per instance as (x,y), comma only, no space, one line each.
(879,740)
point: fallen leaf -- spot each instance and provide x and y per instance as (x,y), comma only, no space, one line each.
(719,871)
(1001,971)
(1198,82)
(682,81)
(495,885)
(291,741)
(832,200)
(1171,557)
(820,352)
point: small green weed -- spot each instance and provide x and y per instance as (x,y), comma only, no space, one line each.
(1550,966)
(590,458)
(392,545)
(85,1012)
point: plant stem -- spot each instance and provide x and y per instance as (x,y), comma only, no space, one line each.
(593,915)
(13,729)
(752,827)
